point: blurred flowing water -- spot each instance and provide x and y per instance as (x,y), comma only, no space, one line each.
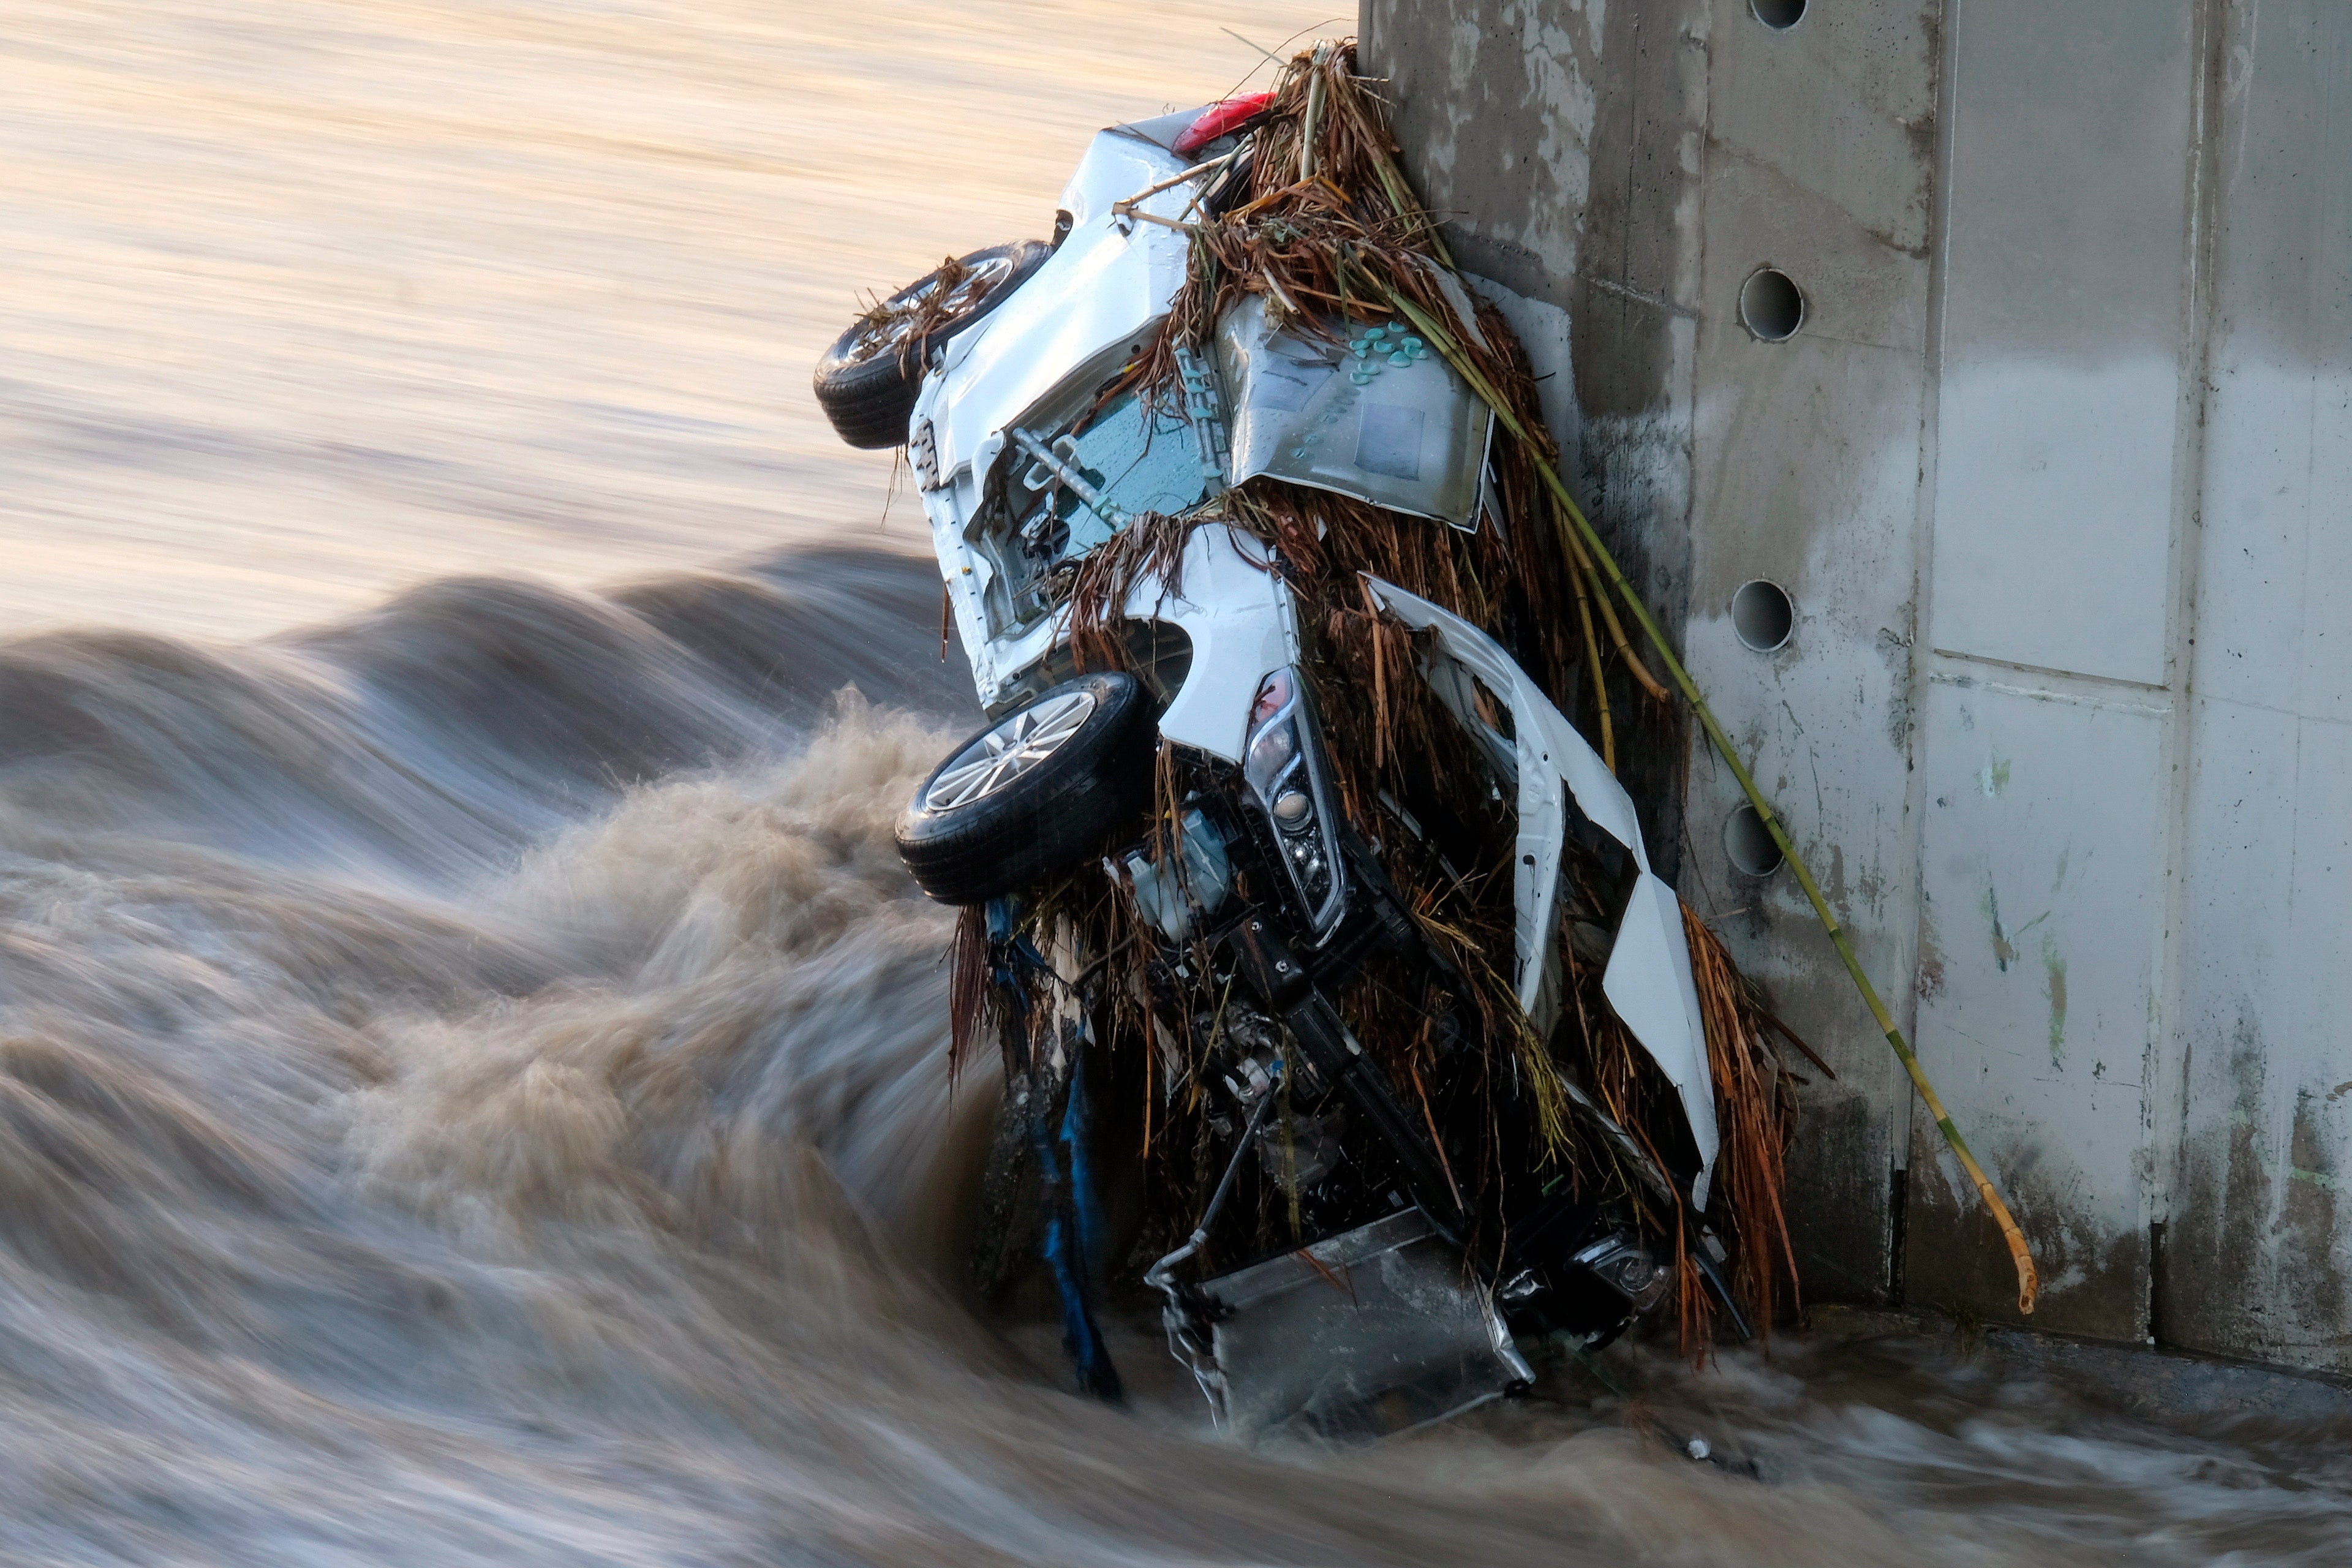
(472,1089)
(471,1069)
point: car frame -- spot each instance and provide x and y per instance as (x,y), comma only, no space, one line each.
(1027,461)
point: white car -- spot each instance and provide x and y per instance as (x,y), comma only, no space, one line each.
(995,374)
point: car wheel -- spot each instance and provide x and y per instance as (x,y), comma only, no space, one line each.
(867,381)
(1035,794)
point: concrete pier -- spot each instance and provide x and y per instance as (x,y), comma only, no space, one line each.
(1971,382)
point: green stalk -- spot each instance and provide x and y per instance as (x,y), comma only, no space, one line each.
(2029,1283)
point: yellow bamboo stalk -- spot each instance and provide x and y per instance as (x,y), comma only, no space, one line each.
(1592,660)
(1583,567)
(2029,1282)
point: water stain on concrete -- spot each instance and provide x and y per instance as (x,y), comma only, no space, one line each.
(2307,1211)
(1930,983)
(2004,952)
(2095,1278)
(2054,966)
(2004,940)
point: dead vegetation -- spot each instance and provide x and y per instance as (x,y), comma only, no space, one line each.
(910,317)
(1327,233)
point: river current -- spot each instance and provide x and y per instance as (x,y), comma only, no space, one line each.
(472,1088)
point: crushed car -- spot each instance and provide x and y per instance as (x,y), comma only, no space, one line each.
(1342,1008)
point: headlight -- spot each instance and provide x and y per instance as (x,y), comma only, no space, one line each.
(1284,770)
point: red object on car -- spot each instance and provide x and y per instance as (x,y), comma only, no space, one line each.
(1219,119)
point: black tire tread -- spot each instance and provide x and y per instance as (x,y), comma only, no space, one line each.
(1046,821)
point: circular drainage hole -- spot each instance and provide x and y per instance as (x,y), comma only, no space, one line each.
(1771,306)
(1761,615)
(1778,15)
(1748,843)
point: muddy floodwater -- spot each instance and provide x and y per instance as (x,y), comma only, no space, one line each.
(471,1068)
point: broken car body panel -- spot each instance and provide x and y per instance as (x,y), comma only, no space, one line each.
(1379,418)
(1362,1334)
(1648,981)
(1243,621)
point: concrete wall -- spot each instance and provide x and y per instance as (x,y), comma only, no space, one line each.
(2054,471)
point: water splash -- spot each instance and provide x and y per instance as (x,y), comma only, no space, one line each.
(472,1089)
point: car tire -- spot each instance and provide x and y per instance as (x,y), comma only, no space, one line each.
(1035,794)
(866,382)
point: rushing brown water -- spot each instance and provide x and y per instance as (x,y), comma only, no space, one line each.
(472,1089)
(471,1069)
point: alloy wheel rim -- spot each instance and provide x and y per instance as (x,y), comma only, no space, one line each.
(1012,750)
(891,331)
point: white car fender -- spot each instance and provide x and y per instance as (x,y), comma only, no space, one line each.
(1229,599)
(1648,981)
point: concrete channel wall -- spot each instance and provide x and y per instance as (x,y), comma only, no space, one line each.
(2056,470)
